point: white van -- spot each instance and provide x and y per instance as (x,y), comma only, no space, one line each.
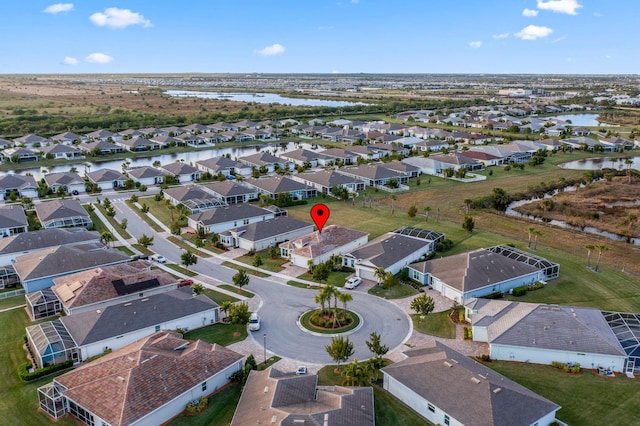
(254,322)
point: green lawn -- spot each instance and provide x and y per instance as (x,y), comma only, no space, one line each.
(184,246)
(219,297)
(219,411)
(10,302)
(586,399)
(269,264)
(336,278)
(181,269)
(435,324)
(113,222)
(18,400)
(125,250)
(237,290)
(399,291)
(222,334)
(144,216)
(98,226)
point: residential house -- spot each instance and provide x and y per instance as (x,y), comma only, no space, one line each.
(290,399)
(231,192)
(264,234)
(146,175)
(432,145)
(104,135)
(140,144)
(38,269)
(272,186)
(265,161)
(324,180)
(433,376)
(392,251)
(318,247)
(31,141)
(86,334)
(68,138)
(172,130)
(194,198)
(107,178)
(485,158)
(588,144)
(62,213)
(130,134)
(21,155)
(481,272)
(456,161)
(406,169)
(164,141)
(373,174)
(135,379)
(70,182)
(195,128)
(332,156)
(60,151)
(222,127)
(301,157)
(542,334)
(101,148)
(22,186)
(4,144)
(223,165)
(12,220)
(183,171)
(225,218)
(109,285)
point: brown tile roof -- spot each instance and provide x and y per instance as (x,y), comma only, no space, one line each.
(140,378)
(316,244)
(100,284)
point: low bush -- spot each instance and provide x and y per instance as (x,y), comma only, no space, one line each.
(519,291)
(197,406)
(496,295)
(27,376)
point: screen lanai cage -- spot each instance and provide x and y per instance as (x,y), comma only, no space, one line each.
(626,327)
(50,343)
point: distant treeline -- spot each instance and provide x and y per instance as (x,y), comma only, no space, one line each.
(117,119)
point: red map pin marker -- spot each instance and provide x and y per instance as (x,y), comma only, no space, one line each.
(320,215)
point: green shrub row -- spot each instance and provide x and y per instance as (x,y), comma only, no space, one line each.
(575,369)
(468,333)
(522,290)
(197,407)
(105,352)
(24,374)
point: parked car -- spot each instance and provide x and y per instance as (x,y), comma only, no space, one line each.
(159,258)
(183,282)
(352,283)
(254,322)
(301,370)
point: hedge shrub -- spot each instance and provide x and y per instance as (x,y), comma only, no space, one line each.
(25,375)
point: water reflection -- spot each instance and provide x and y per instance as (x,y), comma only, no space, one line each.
(602,163)
(262,98)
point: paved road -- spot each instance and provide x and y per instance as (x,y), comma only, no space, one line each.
(283,304)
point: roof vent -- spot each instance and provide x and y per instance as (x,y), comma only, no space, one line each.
(497,390)
(274,419)
(447,364)
(127,304)
(181,347)
(483,377)
(475,380)
(266,389)
(121,378)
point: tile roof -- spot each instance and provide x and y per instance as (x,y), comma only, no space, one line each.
(97,325)
(316,244)
(108,282)
(288,400)
(140,378)
(441,375)
(475,269)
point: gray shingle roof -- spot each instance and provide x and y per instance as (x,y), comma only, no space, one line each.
(60,209)
(12,216)
(370,171)
(277,184)
(62,178)
(388,249)
(188,192)
(269,228)
(226,214)
(327,178)
(96,325)
(179,168)
(12,181)
(145,172)
(45,238)
(106,175)
(441,375)
(475,269)
(229,188)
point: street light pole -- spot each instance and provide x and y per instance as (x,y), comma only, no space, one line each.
(264,346)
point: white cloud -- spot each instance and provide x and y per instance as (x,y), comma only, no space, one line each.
(70,60)
(58,8)
(607,57)
(274,49)
(569,7)
(355,1)
(475,44)
(500,36)
(533,32)
(531,13)
(597,14)
(98,58)
(118,18)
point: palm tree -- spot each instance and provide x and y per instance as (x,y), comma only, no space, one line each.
(106,237)
(380,273)
(393,207)
(628,161)
(357,374)
(536,234)
(530,231)
(321,299)
(345,298)
(589,247)
(601,248)
(427,209)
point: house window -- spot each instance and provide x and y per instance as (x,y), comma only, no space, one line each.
(245,222)
(431,408)
(446,420)
(157,328)
(204,386)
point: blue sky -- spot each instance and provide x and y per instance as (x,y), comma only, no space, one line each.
(320,36)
